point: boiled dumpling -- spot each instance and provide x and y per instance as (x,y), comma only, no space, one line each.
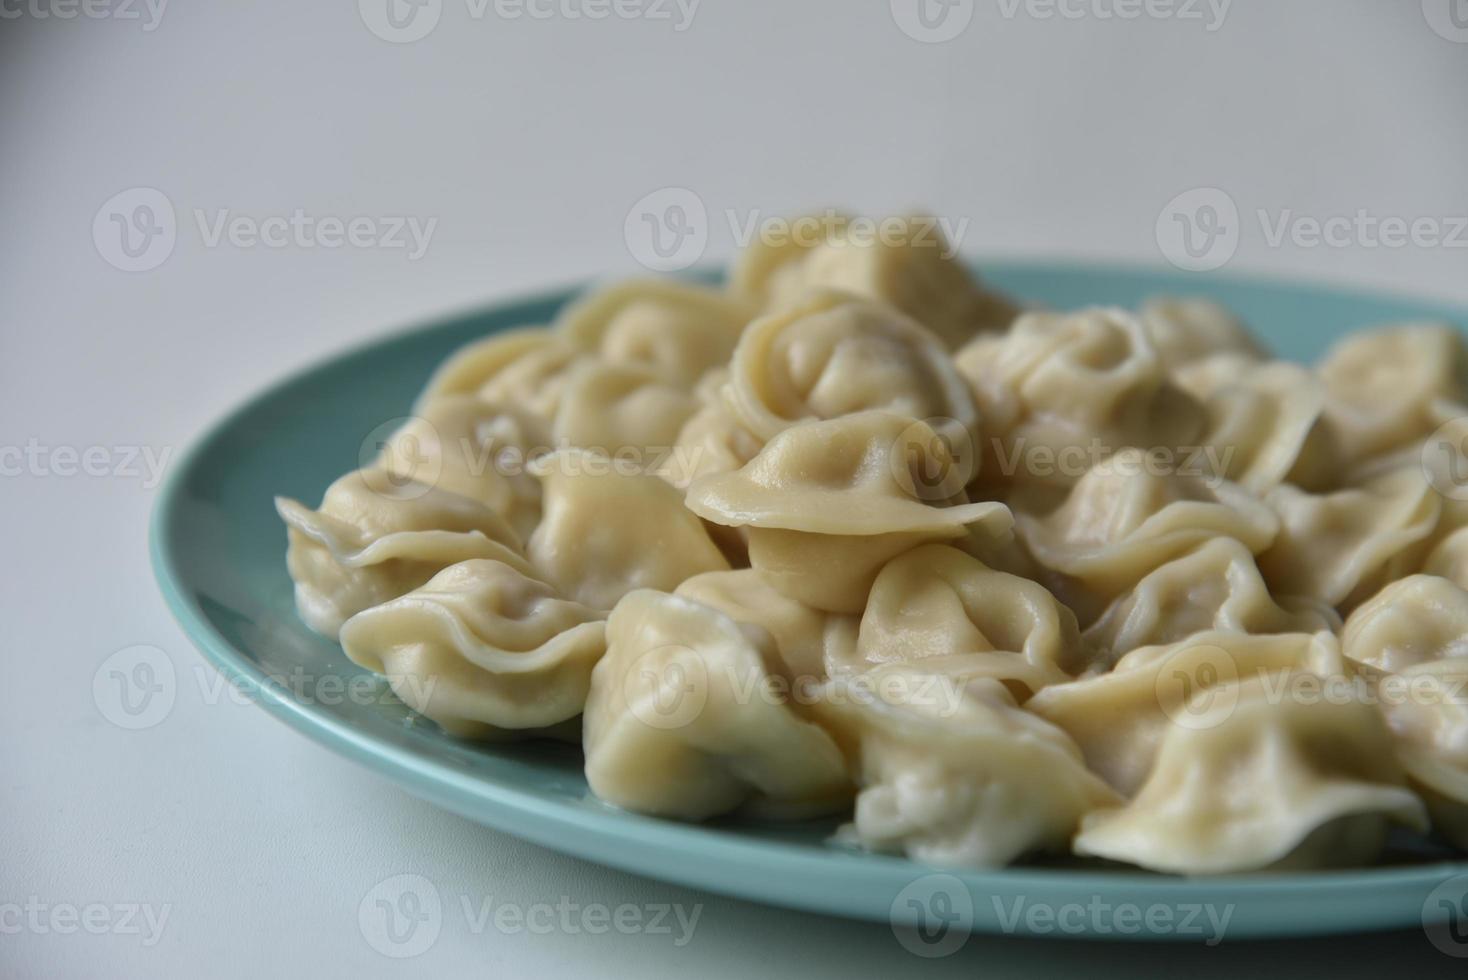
(1127,517)
(952,772)
(683,719)
(1265,428)
(1060,392)
(621,410)
(1120,718)
(907,264)
(936,601)
(473,448)
(1188,329)
(608,529)
(482,649)
(1216,586)
(828,503)
(1271,782)
(1412,621)
(798,630)
(676,330)
(1341,547)
(376,537)
(526,368)
(831,354)
(1386,388)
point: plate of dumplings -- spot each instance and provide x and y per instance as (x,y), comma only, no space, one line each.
(864,581)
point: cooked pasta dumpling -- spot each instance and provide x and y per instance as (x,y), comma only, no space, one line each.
(678,331)
(623,410)
(1128,515)
(1270,782)
(952,772)
(476,449)
(832,354)
(526,368)
(1059,390)
(1266,428)
(1412,621)
(1386,388)
(936,601)
(1216,586)
(850,535)
(910,266)
(482,649)
(608,529)
(683,719)
(1188,329)
(1119,718)
(1340,547)
(1411,642)
(827,503)
(375,537)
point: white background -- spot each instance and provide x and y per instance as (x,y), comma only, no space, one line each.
(529,140)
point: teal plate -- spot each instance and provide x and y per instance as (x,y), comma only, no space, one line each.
(219,554)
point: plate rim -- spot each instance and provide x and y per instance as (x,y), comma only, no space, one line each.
(499,805)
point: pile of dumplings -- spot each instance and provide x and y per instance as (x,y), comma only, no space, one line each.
(854,536)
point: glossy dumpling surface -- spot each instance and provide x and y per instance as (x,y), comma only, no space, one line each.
(1267,782)
(482,649)
(609,528)
(683,720)
(375,537)
(952,772)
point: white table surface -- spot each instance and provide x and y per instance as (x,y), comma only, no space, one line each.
(529,140)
